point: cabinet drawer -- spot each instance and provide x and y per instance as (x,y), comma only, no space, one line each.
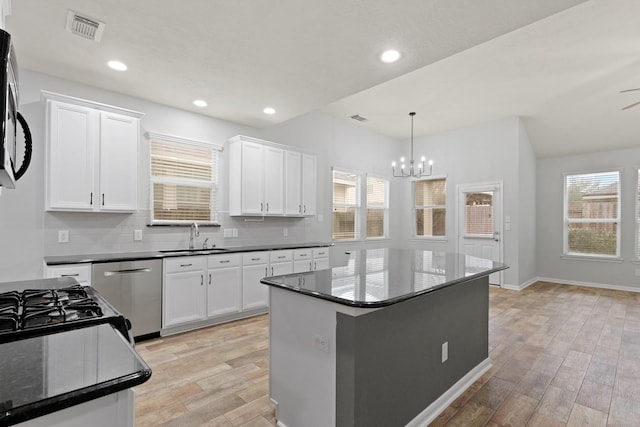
(281,256)
(220,261)
(80,272)
(321,252)
(187,263)
(252,258)
(299,254)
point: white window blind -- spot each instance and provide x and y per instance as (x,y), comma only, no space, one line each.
(592,214)
(184,178)
(479,211)
(346,204)
(377,207)
(430,207)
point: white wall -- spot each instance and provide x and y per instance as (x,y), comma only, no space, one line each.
(525,222)
(549,217)
(33,232)
(486,152)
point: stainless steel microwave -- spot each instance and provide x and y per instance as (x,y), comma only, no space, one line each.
(8,111)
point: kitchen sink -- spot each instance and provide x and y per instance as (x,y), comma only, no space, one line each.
(207,251)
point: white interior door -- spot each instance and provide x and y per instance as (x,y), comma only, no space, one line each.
(479,226)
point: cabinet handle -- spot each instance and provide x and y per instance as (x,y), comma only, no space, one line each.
(102,199)
(70,275)
(261,206)
(266,271)
(267,206)
(302,255)
(310,269)
(305,209)
(201,279)
(315,266)
(91,199)
(209,278)
(299,208)
(281,257)
(255,259)
(225,261)
(272,271)
(186,265)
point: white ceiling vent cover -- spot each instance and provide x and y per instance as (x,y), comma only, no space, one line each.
(83,26)
(359,118)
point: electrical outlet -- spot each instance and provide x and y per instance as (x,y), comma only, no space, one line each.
(445,351)
(285,232)
(228,232)
(137,235)
(63,236)
(321,343)
(235,232)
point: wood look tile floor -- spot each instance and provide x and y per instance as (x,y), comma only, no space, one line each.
(562,356)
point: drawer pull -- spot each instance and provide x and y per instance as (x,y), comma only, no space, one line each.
(186,265)
(225,261)
(255,259)
(303,255)
(281,257)
(70,275)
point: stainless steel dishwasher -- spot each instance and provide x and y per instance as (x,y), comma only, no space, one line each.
(134,288)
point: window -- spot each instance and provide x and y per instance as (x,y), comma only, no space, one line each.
(430,197)
(346,204)
(184,178)
(377,207)
(592,214)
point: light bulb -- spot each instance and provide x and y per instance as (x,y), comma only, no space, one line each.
(430,162)
(422,159)
(402,166)
(393,164)
(401,159)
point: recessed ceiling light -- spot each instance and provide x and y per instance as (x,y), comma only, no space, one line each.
(269,110)
(390,56)
(200,103)
(117,65)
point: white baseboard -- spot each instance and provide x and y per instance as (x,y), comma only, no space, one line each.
(432,411)
(589,284)
(521,286)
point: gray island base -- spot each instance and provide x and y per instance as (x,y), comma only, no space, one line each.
(390,339)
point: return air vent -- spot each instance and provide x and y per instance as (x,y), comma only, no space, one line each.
(359,118)
(84,27)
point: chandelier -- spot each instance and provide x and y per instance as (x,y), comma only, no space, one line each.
(412,173)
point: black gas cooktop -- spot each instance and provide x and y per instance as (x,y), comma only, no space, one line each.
(33,312)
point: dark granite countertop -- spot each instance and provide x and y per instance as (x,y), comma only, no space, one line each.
(380,277)
(48,373)
(128,256)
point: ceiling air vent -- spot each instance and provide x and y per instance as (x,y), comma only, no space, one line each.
(359,118)
(84,27)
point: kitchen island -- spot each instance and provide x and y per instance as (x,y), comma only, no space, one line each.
(389,338)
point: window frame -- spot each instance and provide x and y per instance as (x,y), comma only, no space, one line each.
(384,207)
(566,220)
(357,229)
(213,184)
(416,207)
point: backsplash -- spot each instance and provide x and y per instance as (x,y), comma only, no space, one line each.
(112,232)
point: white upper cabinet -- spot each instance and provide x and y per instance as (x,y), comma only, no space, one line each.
(266,179)
(308,185)
(293,183)
(91,156)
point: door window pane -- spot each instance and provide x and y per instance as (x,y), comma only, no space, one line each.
(479,213)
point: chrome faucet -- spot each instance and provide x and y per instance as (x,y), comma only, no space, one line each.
(193,233)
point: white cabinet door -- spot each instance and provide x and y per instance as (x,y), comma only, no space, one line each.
(302,265)
(279,268)
(273,181)
(224,291)
(254,293)
(252,188)
(184,298)
(308,184)
(71,140)
(119,136)
(321,263)
(293,183)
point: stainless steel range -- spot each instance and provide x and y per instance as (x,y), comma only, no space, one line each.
(58,305)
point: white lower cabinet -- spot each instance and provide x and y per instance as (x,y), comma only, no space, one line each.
(310,259)
(255,266)
(184,293)
(224,289)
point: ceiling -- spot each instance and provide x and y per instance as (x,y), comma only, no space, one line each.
(559,64)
